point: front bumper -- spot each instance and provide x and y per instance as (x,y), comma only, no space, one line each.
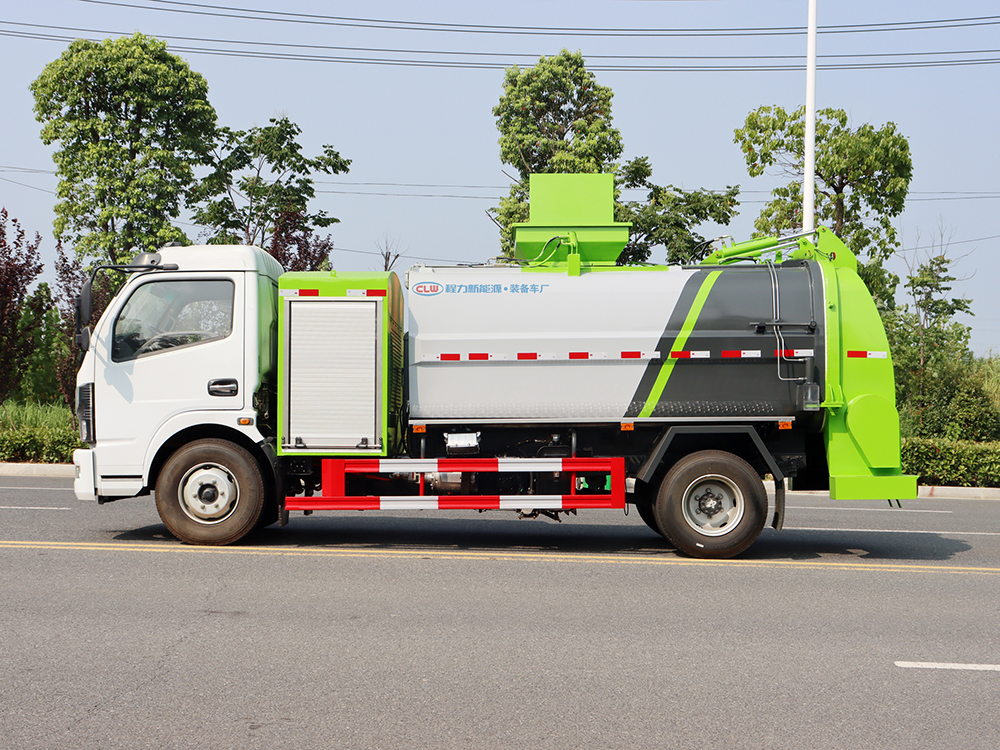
(84,486)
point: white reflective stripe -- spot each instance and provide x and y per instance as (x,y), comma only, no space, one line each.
(878,355)
(288,292)
(803,353)
(417,503)
(531,502)
(499,356)
(750,352)
(530,464)
(407,464)
(357,292)
(700,355)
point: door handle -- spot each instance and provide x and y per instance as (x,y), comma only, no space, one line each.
(223,387)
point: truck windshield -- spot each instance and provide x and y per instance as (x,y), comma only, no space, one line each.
(164,315)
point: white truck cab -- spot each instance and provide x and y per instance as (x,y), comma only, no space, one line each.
(187,344)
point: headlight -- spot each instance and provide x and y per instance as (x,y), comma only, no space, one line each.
(85,412)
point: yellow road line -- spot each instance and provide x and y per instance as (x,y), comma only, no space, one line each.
(505,555)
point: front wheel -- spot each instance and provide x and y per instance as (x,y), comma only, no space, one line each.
(711,504)
(210,492)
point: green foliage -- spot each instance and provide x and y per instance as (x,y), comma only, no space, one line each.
(555,117)
(19,312)
(34,433)
(259,175)
(668,217)
(132,121)
(953,463)
(41,324)
(938,391)
(862,179)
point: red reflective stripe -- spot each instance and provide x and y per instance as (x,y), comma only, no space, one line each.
(376,292)
(468,464)
(332,503)
(680,355)
(732,353)
(450,357)
(360,465)
(527,355)
(586,464)
(586,501)
(475,502)
(478,356)
(308,292)
(861,355)
(631,355)
(579,355)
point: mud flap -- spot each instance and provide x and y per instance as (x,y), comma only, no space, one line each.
(779,505)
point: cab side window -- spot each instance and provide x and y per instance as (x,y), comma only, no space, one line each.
(162,315)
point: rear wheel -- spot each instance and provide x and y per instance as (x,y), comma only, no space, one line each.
(711,504)
(210,492)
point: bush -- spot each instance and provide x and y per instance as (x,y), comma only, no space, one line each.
(952,463)
(34,433)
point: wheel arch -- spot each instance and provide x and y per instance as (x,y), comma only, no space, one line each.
(261,453)
(680,440)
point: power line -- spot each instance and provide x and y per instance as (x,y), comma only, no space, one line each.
(474,54)
(500,65)
(254,14)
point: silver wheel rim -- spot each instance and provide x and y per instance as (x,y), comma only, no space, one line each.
(208,494)
(713,505)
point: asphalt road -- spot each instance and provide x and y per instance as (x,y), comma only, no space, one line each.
(856,626)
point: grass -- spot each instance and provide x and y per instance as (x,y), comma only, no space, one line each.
(20,416)
(37,433)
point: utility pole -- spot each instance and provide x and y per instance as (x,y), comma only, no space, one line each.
(809,167)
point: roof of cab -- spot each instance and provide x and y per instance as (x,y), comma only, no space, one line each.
(222,258)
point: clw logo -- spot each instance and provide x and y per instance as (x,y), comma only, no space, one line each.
(428,289)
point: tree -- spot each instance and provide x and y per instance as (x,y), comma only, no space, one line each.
(295,246)
(132,121)
(19,313)
(937,392)
(555,117)
(260,175)
(42,326)
(862,178)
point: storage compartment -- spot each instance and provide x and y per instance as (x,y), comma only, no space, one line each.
(333,390)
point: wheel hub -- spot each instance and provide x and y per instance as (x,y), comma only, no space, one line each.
(208,493)
(710,503)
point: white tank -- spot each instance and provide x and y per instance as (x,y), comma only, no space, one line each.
(508,343)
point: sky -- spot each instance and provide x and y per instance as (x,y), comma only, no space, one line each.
(406,91)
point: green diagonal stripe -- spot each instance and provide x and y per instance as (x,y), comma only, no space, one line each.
(668,367)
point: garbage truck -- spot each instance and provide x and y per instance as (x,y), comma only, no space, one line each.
(542,384)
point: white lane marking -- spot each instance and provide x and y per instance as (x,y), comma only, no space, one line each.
(944,665)
(898,531)
(869,510)
(28,507)
(47,489)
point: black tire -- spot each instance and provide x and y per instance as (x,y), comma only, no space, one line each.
(711,504)
(210,492)
(647,513)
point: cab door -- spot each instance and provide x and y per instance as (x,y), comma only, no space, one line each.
(174,344)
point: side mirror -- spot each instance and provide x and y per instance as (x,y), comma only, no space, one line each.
(82,339)
(84,308)
(84,305)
